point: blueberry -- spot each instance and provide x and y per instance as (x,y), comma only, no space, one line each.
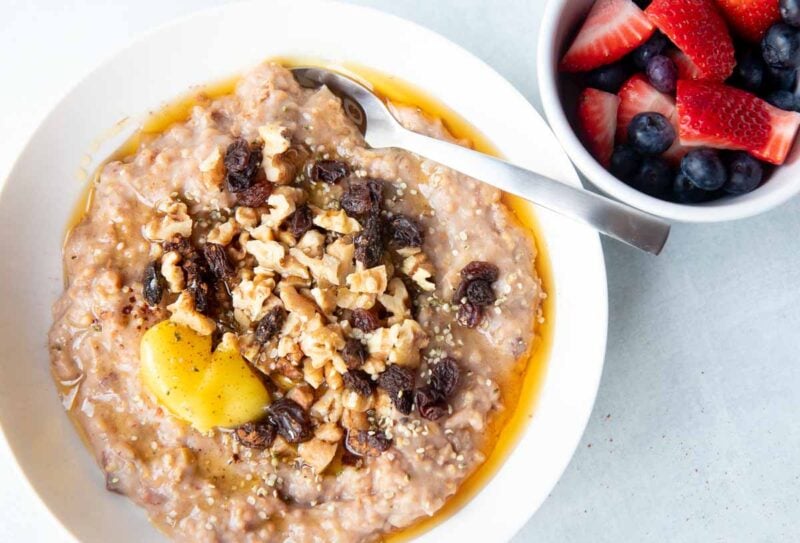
(609,78)
(746,173)
(749,73)
(781,78)
(654,177)
(781,46)
(625,162)
(662,73)
(704,168)
(650,133)
(652,47)
(782,99)
(684,191)
(790,12)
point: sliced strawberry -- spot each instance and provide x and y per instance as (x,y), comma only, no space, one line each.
(639,96)
(597,115)
(751,18)
(612,29)
(714,115)
(686,68)
(698,29)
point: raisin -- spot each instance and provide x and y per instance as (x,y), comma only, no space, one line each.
(196,282)
(217,260)
(460,295)
(369,242)
(365,320)
(300,222)
(445,375)
(480,270)
(404,232)
(479,292)
(354,354)
(292,422)
(358,381)
(398,382)
(404,401)
(179,244)
(256,435)
(152,285)
(430,403)
(363,443)
(329,171)
(242,161)
(469,315)
(256,195)
(362,199)
(270,324)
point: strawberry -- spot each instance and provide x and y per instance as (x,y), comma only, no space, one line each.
(597,118)
(612,29)
(698,29)
(714,115)
(639,96)
(686,68)
(751,18)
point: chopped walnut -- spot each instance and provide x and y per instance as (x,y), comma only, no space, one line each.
(368,281)
(184,312)
(419,270)
(328,407)
(174,221)
(280,207)
(329,432)
(355,420)
(269,254)
(396,301)
(325,298)
(297,303)
(212,170)
(354,401)
(347,299)
(322,345)
(281,169)
(399,344)
(343,249)
(332,377)
(246,217)
(317,453)
(312,243)
(276,139)
(324,270)
(172,272)
(223,233)
(312,375)
(249,296)
(335,221)
(303,394)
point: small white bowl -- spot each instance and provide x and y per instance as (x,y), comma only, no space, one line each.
(561,18)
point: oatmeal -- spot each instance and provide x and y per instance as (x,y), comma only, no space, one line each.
(272,333)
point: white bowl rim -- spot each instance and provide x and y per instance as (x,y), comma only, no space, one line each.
(592,254)
(727,209)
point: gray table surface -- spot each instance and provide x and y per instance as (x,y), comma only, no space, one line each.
(694,435)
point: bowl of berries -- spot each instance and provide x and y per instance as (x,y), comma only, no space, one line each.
(687,109)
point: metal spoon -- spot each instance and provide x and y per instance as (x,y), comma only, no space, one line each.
(381,130)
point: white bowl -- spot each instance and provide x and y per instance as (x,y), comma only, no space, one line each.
(560,20)
(41,192)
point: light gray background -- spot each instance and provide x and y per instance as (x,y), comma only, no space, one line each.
(695,434)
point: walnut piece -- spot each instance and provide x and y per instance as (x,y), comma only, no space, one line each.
(174,221)
(335,220)
(183,312)
(317,453)
(172,272)
(368,281)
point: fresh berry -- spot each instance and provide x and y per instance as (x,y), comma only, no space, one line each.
(686,68)
(639,96)
(609,78)
(745,175)
(715,115)
(782,99)
(750,70)
(685,192)
(597,117)
(652,47)
(750,18)
(650,133)
(698,29)
(704,168)
(662,73)
(781,46)
(612,29)
(781,78)
(654,177)
(790,12)
(625,162)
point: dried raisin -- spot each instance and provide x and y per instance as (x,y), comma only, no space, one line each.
(430,403)
(445,376)
(270,324)
(365,320)
(469,315)
(479,292)
(369,242)
(152,284)
(194,266)
(292,422)
(358,381)
(256,195)
(329,171)
(478,269)
(354,354)
(218,261)
(256,435)
(398,382)
(404,401)
(362,199)
(242,162)
(300,222)
(404,232)
(363,443)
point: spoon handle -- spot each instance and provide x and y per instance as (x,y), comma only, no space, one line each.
(607,216)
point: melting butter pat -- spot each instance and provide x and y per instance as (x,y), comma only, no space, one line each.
(205,389)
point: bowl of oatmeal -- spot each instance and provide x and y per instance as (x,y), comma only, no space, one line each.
(264,330)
